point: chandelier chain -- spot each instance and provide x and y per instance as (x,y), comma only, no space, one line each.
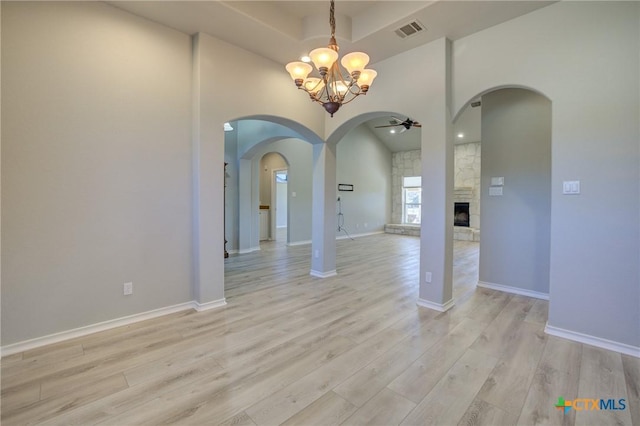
(332,19)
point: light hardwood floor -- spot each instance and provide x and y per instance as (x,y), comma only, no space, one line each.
(351,349)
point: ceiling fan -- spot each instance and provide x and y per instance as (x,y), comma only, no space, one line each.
(407,124)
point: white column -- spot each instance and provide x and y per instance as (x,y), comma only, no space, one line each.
(323,235)
(208,196)
(436,240)
(244,207)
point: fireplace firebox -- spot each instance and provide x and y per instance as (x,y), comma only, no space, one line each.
(461,214)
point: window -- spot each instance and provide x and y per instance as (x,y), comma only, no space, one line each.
(412,199)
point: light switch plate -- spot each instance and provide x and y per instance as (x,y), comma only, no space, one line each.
(497,181)
(571,187)
(495,191)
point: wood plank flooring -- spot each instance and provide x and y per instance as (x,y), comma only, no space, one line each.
(352,349)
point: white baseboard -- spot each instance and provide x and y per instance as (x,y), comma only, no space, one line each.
(105,325)
(338,237)
(209,305)
(233,251)
(440,307)
(514,290)
(598,342)
(299,243)
(323,274)
(364,234)
(249,250)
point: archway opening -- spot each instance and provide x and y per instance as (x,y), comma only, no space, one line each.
(514,190)
(273,201)
(374,152)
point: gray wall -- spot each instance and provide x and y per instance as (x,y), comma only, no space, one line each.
(516,145)
(365,162)
(96,166)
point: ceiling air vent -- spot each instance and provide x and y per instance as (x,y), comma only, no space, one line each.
(410,29)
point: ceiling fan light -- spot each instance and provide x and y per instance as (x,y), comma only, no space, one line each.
(323,57)
(355,61)
(298,70)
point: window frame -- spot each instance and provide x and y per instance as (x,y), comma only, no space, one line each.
(411,183)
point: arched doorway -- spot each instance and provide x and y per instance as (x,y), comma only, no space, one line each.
(515,191)
(273,198)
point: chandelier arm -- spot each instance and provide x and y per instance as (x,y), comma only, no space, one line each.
(351,99)
(352,86)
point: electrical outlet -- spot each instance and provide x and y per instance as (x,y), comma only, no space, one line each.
(316,254)
(127,289)
(427,277)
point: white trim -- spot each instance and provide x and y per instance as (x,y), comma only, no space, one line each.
(209,305)
(250,250)
(319,274)
(598,342)
(281,227)
(338,237)
(365,234)
(299,243)
(440,307)
(232,251)
(93,328)
(514,290)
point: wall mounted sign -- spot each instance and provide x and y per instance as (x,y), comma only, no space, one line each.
(345,187)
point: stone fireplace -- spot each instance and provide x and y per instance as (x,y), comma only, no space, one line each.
(464,207)
(461,214)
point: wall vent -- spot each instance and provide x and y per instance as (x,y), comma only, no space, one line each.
(410,29)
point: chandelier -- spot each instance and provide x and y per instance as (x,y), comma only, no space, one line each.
(332,89)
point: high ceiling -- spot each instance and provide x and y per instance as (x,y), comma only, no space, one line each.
(285,30)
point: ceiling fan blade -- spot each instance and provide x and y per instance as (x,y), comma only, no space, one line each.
(415,124)
(390,125)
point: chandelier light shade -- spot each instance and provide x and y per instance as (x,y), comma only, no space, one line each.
(331,88)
